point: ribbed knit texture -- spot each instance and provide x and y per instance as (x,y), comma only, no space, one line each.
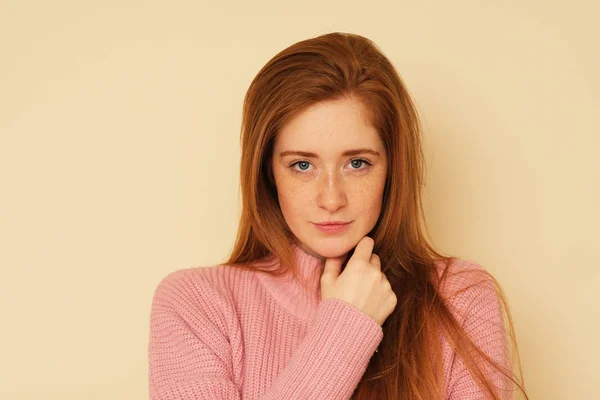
(226,333)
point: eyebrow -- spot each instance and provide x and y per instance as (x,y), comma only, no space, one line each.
(352,152)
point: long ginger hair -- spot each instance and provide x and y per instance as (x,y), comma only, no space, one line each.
(329,67)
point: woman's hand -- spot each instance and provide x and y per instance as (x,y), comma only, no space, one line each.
(362,283)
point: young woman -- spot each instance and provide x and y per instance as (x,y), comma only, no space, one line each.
(331,290)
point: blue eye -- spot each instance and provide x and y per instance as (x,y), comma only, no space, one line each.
(305,163)
(357,163)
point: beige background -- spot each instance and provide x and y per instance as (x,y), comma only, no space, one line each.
(119,124)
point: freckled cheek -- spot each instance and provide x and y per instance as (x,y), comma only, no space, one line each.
(367,200)
(295,200)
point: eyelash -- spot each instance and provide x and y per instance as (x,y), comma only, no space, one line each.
(304,161)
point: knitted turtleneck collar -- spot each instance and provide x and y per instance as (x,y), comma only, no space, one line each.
(299,298)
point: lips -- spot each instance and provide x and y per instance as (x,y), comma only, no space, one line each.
(333,227)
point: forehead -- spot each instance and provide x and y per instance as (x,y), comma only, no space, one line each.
(329,127)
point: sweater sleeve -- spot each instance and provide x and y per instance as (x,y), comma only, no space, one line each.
(476,304)
(190,354)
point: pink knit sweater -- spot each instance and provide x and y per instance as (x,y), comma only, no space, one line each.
(226,333)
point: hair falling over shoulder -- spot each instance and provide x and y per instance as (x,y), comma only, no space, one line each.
(328,67)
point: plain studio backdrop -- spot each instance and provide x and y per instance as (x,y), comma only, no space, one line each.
(119,156)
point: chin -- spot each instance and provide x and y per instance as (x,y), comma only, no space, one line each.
(331,247)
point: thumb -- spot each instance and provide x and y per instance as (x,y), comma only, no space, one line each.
(332,269)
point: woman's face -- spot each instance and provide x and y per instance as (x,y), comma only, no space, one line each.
(330,184)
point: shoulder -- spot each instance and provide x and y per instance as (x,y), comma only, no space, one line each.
(468,289)
(202,279)
(187,282)
(198,291)
(457,272)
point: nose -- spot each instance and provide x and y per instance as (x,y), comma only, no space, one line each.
(331,194)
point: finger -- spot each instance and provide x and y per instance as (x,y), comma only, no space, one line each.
(364,248)
(375,260)
(386,282)
(332,268)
